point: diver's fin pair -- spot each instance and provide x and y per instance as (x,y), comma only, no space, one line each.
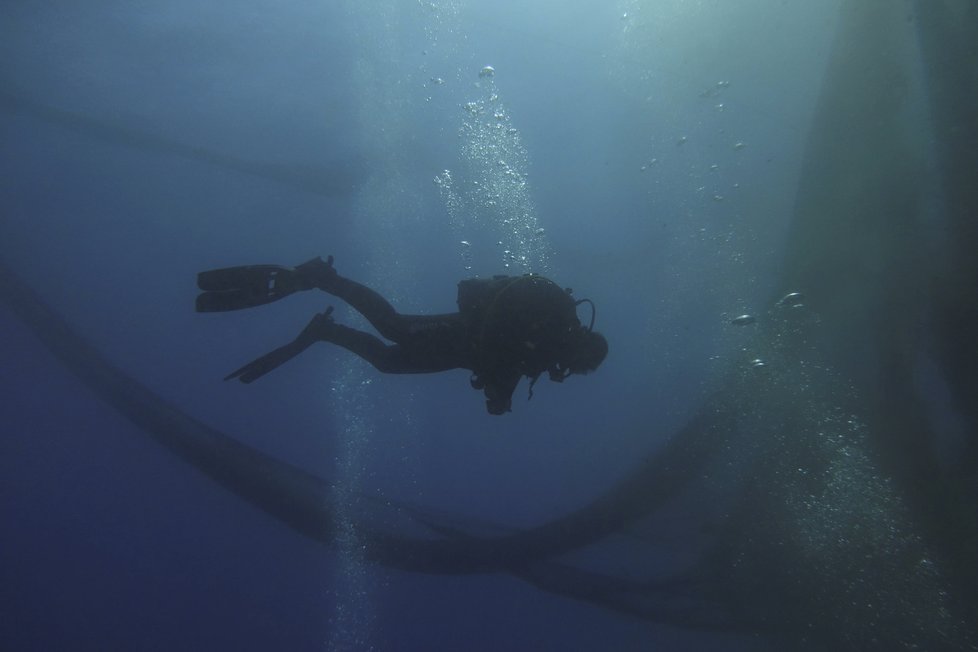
(316,330)
(236,288)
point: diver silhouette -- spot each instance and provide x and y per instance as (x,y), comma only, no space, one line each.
(506,327)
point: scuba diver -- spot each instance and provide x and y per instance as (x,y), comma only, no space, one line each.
(506,327)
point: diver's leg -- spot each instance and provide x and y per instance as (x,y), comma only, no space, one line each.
(426,336)
(378,311)
(386,358)
(391,359)
(428,352)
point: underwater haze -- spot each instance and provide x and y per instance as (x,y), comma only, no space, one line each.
(770,204)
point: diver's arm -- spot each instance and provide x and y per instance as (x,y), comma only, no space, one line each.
(499,392)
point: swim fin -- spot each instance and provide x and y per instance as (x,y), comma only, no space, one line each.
(316,330)
(268,362)
(236,288)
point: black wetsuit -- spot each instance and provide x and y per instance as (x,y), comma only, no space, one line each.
(506,327)
(422,343)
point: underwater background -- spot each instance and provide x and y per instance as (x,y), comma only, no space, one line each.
(804,479)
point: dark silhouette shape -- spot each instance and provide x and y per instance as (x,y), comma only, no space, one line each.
(814,486)
(948,37)
(507,327)
(299,499)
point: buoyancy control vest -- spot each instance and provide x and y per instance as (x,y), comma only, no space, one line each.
(520,323)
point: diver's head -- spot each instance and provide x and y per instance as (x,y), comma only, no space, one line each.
(587,352)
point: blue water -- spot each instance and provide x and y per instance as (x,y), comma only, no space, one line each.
(645,154)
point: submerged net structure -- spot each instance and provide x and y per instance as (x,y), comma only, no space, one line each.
(812,488)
